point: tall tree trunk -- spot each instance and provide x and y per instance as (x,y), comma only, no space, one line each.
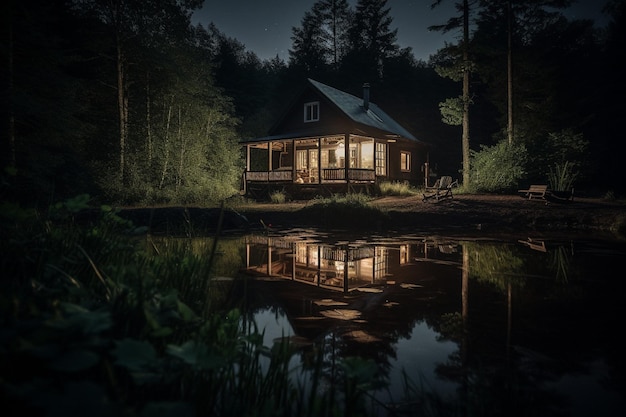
(166,158)
(11,87)
(122,105)
(335,54)
(183,149)
(148,121)
(466,96)
(509,56)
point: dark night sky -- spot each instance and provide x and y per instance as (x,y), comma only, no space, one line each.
(264,26)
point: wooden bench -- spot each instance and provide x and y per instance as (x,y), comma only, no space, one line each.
(535,191)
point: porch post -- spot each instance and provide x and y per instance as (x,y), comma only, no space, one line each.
(293,160)
(247,157)
(269,156)
(346,156)
(319,160)
(346,287)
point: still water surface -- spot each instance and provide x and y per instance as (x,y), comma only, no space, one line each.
(528,326)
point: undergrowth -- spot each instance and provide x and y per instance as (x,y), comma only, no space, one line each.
(345,210)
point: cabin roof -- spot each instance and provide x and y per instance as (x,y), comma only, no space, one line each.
(352,107)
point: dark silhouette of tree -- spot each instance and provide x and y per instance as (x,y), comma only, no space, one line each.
(549,54)
(522,18)
(310,52)
(372,41)
(321,41)
(336,20)
(606,110)
(43,132)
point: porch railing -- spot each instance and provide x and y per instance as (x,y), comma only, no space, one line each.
(265,176)
(328,174)
(361,174)
(354,174)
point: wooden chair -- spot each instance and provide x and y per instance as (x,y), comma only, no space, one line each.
(440,190)
(538,245)
(536,191)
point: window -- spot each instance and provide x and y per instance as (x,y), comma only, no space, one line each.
(311,112)
(381,159)
(301,159)
(405,161)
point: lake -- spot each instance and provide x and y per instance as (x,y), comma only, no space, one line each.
(477,326)
(441,325)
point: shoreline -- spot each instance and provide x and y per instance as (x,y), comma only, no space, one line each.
(465,213)
(482,215)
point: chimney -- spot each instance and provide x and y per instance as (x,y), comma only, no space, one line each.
(366,96)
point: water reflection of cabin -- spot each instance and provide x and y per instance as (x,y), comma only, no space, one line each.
(343,267)
(330,141)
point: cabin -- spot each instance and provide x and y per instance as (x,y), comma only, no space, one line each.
(329,142)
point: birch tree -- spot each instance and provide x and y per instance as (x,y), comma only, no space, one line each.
(133,24)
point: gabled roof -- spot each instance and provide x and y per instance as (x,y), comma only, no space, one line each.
(352,107)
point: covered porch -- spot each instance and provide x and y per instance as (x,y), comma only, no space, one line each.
(325,163)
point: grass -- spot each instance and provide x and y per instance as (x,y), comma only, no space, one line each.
(344,210)
(397,188)
(278,197)
(404,189)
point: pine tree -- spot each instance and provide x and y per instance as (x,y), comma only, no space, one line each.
(310,50)
(462,67)
(336,20)
(371,39)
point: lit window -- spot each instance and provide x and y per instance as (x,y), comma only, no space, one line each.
(301,159)
(311,111)
(405,161)
(381,159)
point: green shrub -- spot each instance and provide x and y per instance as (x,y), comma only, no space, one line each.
(349,210)
(397,188)
(498,168)
(278,197)
(556,150)
(562,177)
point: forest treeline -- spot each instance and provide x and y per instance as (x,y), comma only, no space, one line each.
(131,102)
